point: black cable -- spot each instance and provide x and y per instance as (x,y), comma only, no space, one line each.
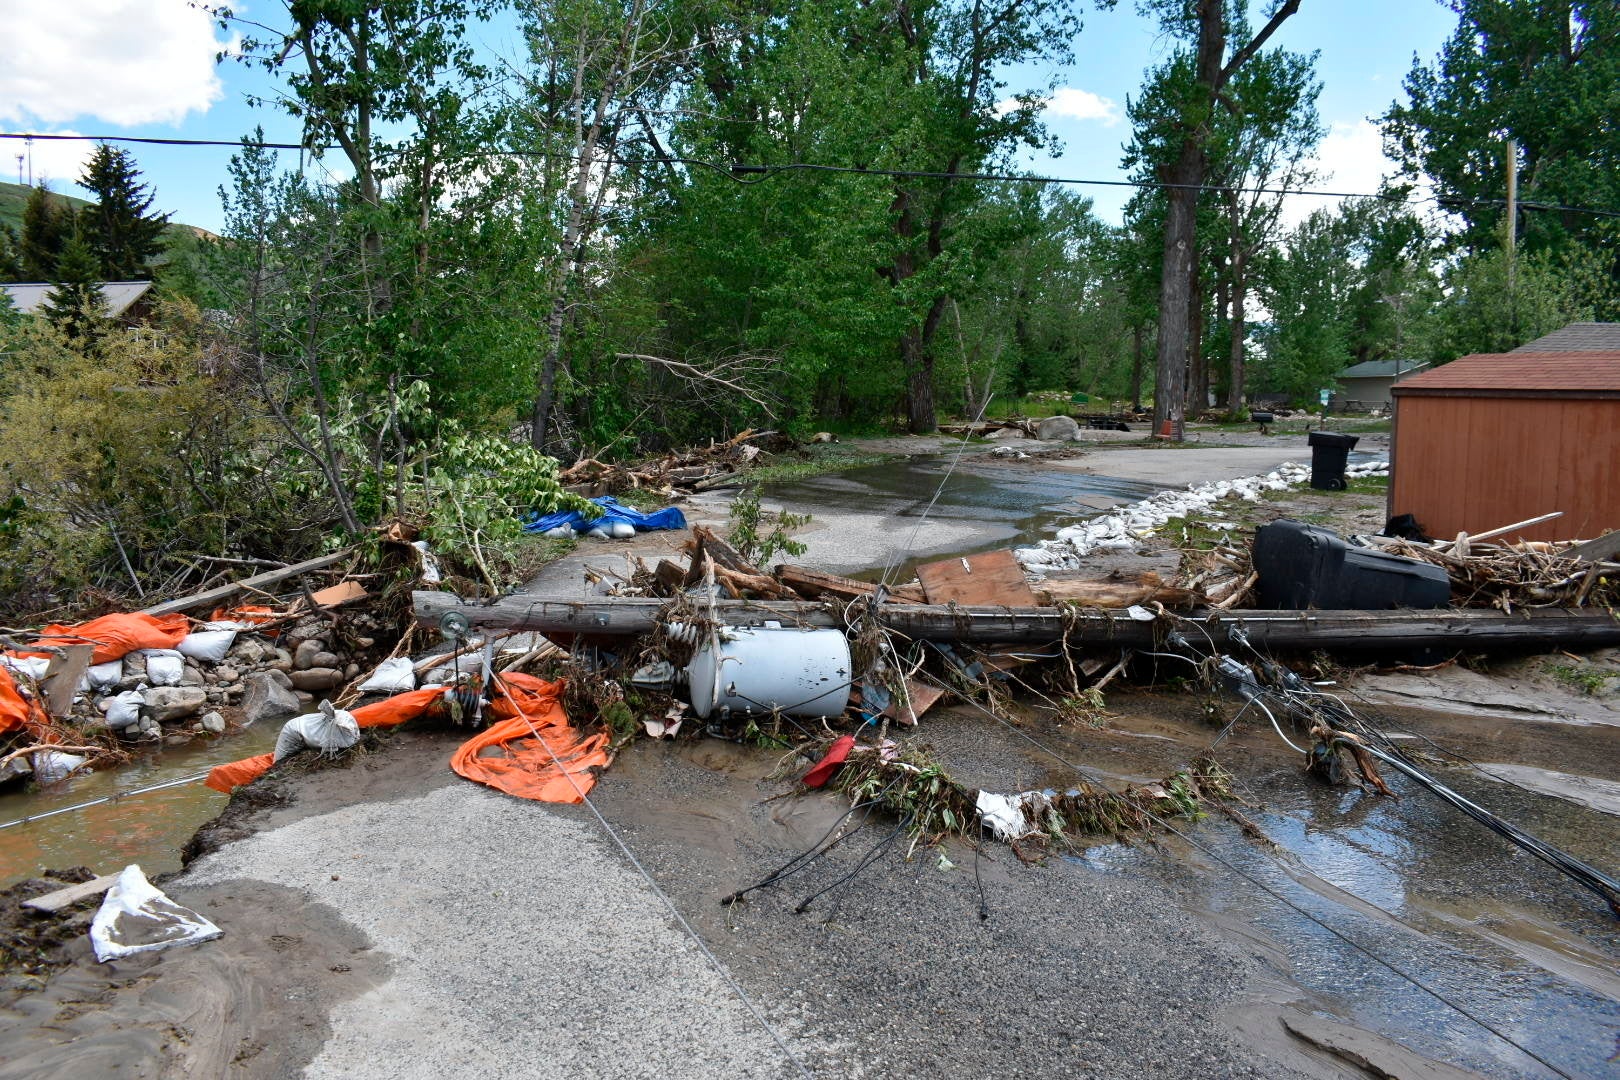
(1297,909)
(737,171)
(815,851)
(866,860)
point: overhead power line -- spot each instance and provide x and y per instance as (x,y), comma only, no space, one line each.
(739,172)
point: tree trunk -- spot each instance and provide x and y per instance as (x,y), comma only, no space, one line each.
(1136,368)
(1197,362)
(1175,282)
(1235,324)
(919,367)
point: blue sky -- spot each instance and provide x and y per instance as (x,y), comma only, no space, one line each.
(145,67)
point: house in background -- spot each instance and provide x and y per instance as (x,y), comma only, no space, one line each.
(1498,438)
(1366,385)
(1577,337)
(128,303)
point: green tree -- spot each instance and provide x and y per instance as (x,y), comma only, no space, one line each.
(1212,25)
(46,225)
(76,304)
(120,228)
(11,263)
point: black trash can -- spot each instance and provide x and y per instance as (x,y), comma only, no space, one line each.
(1329,453)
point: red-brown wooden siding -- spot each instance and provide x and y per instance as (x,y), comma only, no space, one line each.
(1469,464)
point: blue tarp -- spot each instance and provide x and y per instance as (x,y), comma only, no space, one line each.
(613,510)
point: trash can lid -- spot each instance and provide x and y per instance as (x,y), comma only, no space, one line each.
(1332,438)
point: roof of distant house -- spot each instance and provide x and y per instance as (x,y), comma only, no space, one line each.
(117,296)
(1577,337)
(1381,369)
(1517,374)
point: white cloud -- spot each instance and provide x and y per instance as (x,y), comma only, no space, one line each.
(1076,104)
(119,61)
(1071,103)
(1351,158)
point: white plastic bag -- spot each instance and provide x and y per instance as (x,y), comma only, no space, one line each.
(32,666)
(52,765)
(393,676)
(208,646)
(164,667)
(329,731)
(137,917)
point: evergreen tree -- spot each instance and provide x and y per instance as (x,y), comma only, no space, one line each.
(46,224)
(76,304)
(122,233)
(10,254)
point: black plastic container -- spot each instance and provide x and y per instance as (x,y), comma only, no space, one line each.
(1304,566)
(1330,452)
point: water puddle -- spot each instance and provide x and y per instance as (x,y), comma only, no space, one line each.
(149,829)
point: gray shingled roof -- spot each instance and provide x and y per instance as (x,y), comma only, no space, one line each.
(117,296)
(1577,337)
(1381,369)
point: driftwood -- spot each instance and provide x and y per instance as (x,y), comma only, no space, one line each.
(692,469)
(1117,592)
(813,583)
(1475,630)
(1521,576)
(214,597)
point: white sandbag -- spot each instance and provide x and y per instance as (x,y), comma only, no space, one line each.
(164,667)
(52,765)
(328,731)
(393,676)
(137,917)
(430,565)
(32,666)
(208,646)
(100,678)
(621,530)
(124,710)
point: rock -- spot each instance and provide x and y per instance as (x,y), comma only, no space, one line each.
(213,723)
(327,659)
(234,688)
(225,674)
(365,642)
(267,699)
(1058,429)
(319,678)
(248,650)
(147,726)
(281,677)
(350,672)
(134,666)
(192,677)
(281,660)
(305,699)
(304,657)
(169,703)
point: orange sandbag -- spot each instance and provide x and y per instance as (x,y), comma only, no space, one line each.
(233,774)
(16,711)
(539,755)
(245,613)
(116,635)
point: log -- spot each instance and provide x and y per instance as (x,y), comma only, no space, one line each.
(213,597)
(814,583)
(1116,594)
(1356,631)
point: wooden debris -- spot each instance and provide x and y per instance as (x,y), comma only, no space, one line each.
(61,681)
(813,583)
(344,592)
(212,598)
(1521,576)
(995,577)
(1117,592)
(921,698)
(693,469)
(53,902)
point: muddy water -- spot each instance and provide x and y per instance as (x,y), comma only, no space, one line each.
(1011,506)
(1422,886)
(149,829)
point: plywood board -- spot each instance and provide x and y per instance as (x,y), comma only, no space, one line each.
(922,699)
(995,577)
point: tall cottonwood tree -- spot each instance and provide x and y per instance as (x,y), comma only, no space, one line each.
(1213,26)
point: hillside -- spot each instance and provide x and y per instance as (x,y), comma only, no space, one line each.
(13,197)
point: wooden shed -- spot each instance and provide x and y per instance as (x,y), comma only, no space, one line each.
(1491,439)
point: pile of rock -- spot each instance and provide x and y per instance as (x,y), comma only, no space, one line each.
(224,673)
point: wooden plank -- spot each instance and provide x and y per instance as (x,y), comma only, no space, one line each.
(62,677)
(52,902)
(994,577)
(815,583)
(1355,631)
(213,597)
(344,592)
(1603,547)
(922,698)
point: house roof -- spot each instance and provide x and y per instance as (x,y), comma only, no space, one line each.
(117,296)
(1381,369)
(1577,337)
(1519,374)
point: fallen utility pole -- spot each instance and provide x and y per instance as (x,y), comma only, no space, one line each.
(1350,630)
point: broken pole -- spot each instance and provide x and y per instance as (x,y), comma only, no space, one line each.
(1471,629)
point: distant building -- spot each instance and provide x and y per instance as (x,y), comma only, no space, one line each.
(1577,337)
(126,302)
(1367,385)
